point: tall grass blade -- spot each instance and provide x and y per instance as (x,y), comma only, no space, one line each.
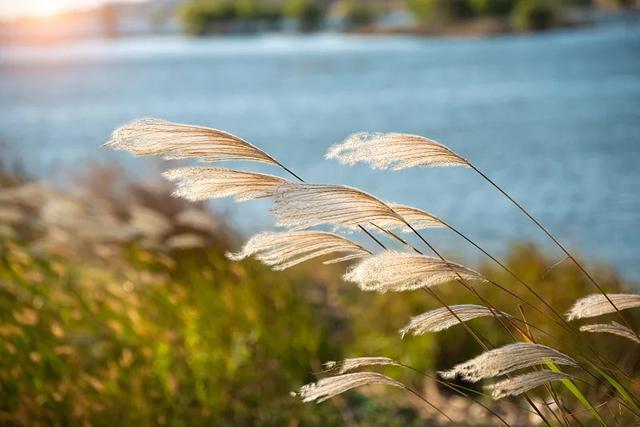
(569,385)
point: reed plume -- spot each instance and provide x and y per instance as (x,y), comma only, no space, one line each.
(346,365)
(611,328)
(156,137)
(326,388)
(299,206)
(212,183)
(400,151)
(521,384)
(393,151)
(442,318)
(403,271)
(418,219)
(286,249)
(506,359)
(597,305)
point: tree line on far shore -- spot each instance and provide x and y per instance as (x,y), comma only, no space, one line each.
(201,17)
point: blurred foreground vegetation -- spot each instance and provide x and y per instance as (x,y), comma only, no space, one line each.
(118,307)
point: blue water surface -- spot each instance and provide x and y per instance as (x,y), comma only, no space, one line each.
(554,118)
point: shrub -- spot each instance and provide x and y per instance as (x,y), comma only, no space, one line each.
(534,15)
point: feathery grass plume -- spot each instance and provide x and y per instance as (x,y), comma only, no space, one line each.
(156,137)
(597,305)
(326,388)
(441,318)
(418,219)
(394,150)
(346,365)
(521,384)
(299,206)
(213,183)
(506,359)
(282,250)
(403,271)
(611,328)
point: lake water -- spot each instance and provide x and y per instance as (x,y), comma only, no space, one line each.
(554,118)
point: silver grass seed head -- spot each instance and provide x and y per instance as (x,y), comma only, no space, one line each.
(300,206)
(394,151)
(403,271)
(282,250)
(523,383)
(441,318)
(329,387)
(418,219)
(598,305)
(197,184)
(614,328)
(346,365)
(506,359)
(157,137)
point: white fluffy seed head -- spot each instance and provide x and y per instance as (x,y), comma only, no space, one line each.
(597,305)
(402,271)
(611,328)
(346,365)
(156,137)
(326,388)
(286,249)
(507,359)
(299,206)
(441,318)
(394,151)
(212,183)
(418,219)
(521,384)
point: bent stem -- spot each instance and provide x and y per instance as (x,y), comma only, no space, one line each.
(421,397)
(563,322)
(459,390)
(554,240)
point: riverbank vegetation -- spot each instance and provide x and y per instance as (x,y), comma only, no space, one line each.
(418,16)
(119,307)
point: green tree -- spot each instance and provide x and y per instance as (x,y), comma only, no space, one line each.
(493,7)
(533,15)
(309,13)
(198,16)
(359,13)
(431,10)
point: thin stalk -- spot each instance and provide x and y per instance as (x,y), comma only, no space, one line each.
(462,281)
(458,390)
(475,335)
(419,396)
(531,403)
(554,240)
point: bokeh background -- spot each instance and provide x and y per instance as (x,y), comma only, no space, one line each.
(118,305)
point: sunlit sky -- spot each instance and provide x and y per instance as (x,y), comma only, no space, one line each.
(14,8)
